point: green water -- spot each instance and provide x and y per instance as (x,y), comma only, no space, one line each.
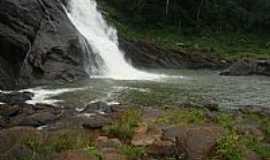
(197,86)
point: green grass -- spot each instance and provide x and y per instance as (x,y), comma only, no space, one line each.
(94,152)
(257,146)
(61,141)
(229,147)
(182,117)
(225,120)
(132,152)
(125,126)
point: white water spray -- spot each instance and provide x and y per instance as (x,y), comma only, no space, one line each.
(104,42)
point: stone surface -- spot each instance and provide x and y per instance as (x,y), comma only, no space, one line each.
(194,143)
(38,119)
(15,97)
(248,67)
(148,55)
(38,44)
(100,107)
(95,122)
(146,136)
(75,155)
(162,149)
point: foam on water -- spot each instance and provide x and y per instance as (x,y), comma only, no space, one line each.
(104,42)
(45,96)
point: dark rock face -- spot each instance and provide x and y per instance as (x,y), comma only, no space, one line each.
(38,44)
(144,54)
(28,115)
(98,107)
(15,97)
(248,67)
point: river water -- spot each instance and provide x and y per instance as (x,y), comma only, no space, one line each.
(184,86)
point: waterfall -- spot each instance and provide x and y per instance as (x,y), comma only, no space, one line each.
(103,41)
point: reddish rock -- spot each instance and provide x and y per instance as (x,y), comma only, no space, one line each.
(75,155)
(162,149)
(112,154)
(145,136)
(194,143)
(105,142)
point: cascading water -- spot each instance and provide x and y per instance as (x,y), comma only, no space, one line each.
(104,42)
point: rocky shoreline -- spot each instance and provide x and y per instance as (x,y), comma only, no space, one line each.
(120,132)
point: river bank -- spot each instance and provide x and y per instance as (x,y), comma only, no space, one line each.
(122,132)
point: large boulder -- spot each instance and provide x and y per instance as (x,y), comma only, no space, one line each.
(248,67)
(195,143)
(38,44)
(149,55)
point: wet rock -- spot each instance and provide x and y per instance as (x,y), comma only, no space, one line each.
(38,119)
(75,155)
(9,110)
(38,44)
(15,97)
(100,107)
(195,142)
(248,67)
(95,122)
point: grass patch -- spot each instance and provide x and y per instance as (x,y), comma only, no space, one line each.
(257,146)
(229,147)
(56,143)
(125,126)
(182,117)
(225,120)
(132,152)
(94,152)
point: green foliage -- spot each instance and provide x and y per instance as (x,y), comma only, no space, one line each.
(230,147)
(124,127)
(263,121)
(182,117)
(94,152)
(225,120)
(132,152)
(257,146)
(60,141)
(193,15)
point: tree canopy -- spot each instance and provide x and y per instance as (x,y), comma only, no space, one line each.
(215,15)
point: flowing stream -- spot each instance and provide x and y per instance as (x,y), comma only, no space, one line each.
(104,43)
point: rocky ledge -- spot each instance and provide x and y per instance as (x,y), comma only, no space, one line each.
(38,44)
(119,132)
(248,67)
(149,55)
